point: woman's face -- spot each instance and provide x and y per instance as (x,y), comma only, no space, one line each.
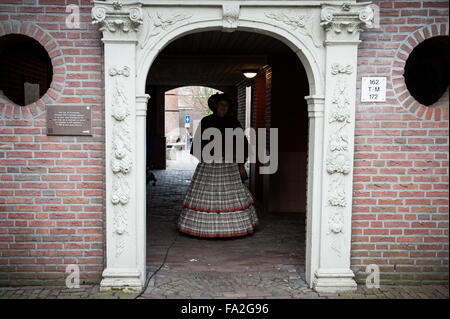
(222,108)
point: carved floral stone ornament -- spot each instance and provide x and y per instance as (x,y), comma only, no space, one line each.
(159,22)
(121,163)
(339,143)
(125,71)
(338,163)
(338,68)
(117,16)
(336,228)
(338,160)
(348,16)
(296,22)
(337,198)
(120,109)
(117,5)
(336,223)
(340,117)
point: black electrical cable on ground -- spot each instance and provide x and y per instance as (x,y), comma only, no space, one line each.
(154,273)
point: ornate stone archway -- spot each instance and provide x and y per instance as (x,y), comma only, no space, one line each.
(324,35)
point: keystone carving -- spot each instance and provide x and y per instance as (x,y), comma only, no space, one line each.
(230,16)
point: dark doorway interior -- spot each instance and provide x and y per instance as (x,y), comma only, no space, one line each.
(271,261)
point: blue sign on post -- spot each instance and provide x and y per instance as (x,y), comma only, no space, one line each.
(187,120)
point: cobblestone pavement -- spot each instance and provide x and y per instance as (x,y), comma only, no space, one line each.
(92,292)
(269,262)
(266,264)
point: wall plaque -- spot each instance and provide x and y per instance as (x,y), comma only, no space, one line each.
(68,119)
(373,89)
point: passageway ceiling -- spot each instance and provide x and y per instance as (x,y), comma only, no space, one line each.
(213,58)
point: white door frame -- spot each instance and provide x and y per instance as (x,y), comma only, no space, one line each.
(325,37)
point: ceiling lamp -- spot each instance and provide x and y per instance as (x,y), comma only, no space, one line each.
(249,74)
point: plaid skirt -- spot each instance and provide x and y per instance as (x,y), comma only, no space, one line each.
(217,203)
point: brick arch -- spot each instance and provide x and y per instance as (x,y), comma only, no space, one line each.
(439,110)
(9,109)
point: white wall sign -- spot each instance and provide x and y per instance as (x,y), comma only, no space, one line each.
(373,89)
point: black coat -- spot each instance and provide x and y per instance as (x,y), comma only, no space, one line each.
(220,123)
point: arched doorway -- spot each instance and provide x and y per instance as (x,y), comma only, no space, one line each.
(324,37)
(275,98)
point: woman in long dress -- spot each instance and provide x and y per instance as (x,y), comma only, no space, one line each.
(217,202)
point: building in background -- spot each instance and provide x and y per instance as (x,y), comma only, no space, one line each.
(189,101)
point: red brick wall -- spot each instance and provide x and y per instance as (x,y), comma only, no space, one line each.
(400,198)
(172,114)
(52,187)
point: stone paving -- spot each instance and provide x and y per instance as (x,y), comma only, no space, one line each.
(267,264)
(92,292)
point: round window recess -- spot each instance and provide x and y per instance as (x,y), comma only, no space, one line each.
(427,70)
(25,69)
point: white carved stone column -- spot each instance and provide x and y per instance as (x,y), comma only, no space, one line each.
(141,183)
(119,23)
(342,24)
(314,200)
